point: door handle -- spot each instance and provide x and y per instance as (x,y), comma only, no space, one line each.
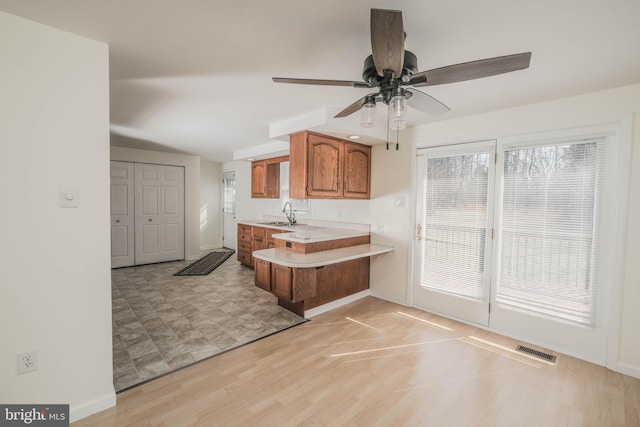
(117,220)
(418,233)
(149,220)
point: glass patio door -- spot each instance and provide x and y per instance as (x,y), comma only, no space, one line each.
(522,235)
(453,230)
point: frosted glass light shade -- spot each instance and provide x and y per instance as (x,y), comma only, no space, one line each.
(368,115)
(398,113)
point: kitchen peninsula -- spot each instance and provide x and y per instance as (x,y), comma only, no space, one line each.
(314,267)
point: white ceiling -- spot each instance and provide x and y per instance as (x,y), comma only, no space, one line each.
(194,76)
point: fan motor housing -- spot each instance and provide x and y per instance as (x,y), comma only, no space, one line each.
(409,67)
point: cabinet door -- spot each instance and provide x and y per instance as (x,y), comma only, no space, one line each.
(303,284)
(262,274)
(245,258)
(325,163)
(270,241)
(281,278)
(259,243)
(244,233)
(298,165)
(357,171)
(272,182)
(258,179)
(258,238)
(244,244)
(265,177)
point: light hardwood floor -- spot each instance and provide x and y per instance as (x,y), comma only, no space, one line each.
(375,363)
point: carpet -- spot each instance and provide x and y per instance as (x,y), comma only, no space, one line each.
(206,264)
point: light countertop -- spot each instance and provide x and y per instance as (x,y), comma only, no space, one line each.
(318,234)
(311,233)
(289,258)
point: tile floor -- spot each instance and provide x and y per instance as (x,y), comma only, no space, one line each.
(162,322)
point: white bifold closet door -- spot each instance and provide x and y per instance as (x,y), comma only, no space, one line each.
(122,215)
(154,205)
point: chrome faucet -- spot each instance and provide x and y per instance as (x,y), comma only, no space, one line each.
(291,217)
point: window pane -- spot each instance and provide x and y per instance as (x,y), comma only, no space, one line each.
(548,229)
(455,221)
(228,192)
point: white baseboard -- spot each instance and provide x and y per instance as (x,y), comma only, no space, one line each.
(337,303)
(632,371)
(78,412)
(383,297)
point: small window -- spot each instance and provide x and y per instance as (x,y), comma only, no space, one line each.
(229,192)
(299,205)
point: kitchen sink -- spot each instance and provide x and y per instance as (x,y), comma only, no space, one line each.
(276,223)
(286,224)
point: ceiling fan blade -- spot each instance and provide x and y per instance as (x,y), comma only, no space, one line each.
(351,108)
(387,40)
(320,82)
(426,103)
(472,70)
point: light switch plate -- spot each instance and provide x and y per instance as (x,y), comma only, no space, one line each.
(69,197)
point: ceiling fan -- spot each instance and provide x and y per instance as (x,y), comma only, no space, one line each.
(394,72)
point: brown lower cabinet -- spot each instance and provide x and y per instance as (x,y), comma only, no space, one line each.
(300,289)
(293,284)
(245,242)
(262,274)
(252,238)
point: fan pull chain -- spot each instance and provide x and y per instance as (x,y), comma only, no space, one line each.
(397,132)
(388,117)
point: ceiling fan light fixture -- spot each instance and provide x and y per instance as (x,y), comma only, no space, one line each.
(368,114)
(398,112)
(390,68)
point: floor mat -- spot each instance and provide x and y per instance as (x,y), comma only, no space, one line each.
(206,264)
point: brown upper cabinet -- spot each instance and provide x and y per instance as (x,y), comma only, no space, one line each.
(265,177)
(325,167)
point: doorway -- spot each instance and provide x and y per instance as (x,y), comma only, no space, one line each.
(229,224)
(454,217)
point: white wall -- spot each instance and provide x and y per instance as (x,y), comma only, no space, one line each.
(391,224)
(55,277)
(192,187)
(210,205)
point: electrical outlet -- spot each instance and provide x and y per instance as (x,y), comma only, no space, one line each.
(27,362)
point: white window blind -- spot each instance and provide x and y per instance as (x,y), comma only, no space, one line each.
(549,228)
(455,222)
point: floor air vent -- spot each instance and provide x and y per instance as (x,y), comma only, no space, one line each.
(536,353)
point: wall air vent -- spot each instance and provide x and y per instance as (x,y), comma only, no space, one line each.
(536,353)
